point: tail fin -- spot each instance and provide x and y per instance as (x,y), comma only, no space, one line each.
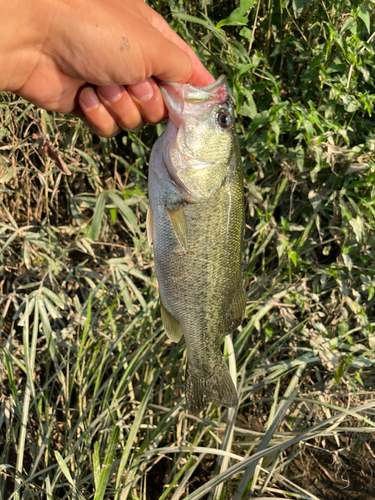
(217,388)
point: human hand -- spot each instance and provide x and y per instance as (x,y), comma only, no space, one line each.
(77,56)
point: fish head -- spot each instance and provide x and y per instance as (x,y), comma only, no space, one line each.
(199,138)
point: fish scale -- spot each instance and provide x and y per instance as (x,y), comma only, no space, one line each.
(197,249)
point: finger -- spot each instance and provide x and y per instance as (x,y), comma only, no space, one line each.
(149,101)
(100,120)
(200,76)
(121,106)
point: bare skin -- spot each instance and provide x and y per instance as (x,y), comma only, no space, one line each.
(96,59)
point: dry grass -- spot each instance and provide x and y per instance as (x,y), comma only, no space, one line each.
(91,390)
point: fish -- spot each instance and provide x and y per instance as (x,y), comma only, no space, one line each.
(195,222)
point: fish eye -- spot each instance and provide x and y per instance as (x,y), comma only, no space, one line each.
(223,118)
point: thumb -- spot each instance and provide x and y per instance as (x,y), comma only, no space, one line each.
(168,61)
(186,70)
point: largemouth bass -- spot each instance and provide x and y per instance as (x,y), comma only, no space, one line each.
(196,222)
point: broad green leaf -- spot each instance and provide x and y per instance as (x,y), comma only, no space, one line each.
(239,16)
(365,16)
(358,228)
(248,109)
(298,6)
(246,33)
(258,121)
(274,110)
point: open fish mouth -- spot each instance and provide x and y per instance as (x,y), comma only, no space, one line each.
(177,97)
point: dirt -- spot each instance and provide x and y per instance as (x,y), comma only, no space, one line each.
(333,473)
(158,477)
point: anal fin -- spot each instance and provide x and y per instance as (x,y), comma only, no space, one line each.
(179,225)
(171,326)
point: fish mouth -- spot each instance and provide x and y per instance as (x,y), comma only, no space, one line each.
(177,96)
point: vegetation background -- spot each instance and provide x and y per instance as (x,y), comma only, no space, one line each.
(91,390)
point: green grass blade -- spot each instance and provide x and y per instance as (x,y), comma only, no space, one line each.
(132,434)
(98,216)
(226,445)
(96,465)
(25,409)
(64,468)
(107,464)
(12,385)
(126,212)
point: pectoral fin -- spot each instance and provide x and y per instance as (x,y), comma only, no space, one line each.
(233,318)
(150,225)
(172,326)
(179,225)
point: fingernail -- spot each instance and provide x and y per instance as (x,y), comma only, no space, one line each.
(88,99)
(142,91)
(111,94)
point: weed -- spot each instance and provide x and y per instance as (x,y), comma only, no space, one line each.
(91,389)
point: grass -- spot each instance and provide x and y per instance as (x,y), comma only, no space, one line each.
(91,390)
